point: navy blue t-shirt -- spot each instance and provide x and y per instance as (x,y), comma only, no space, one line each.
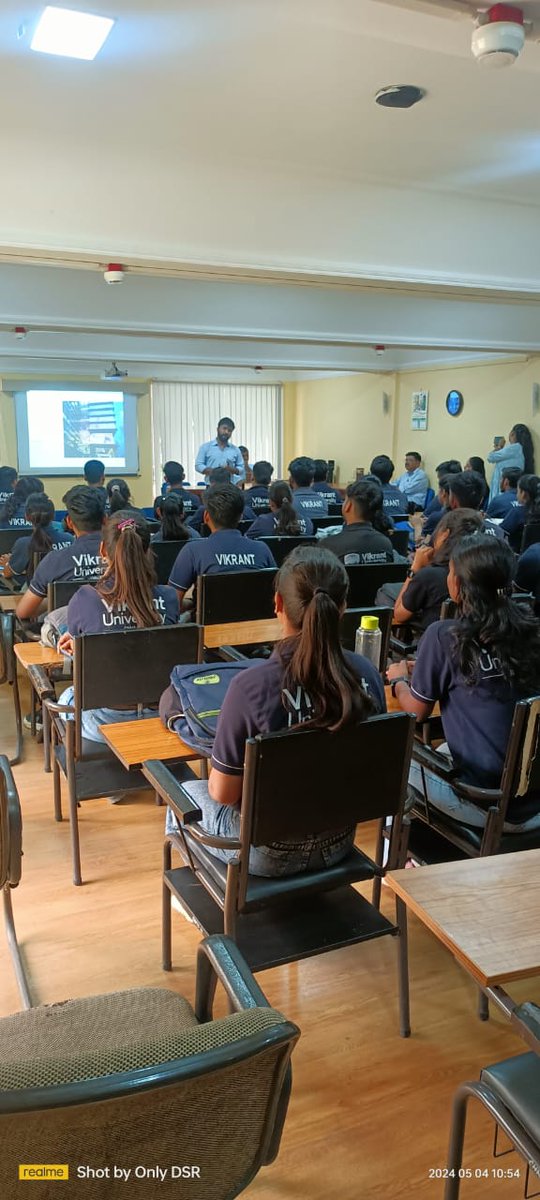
(309,503)
(501,504)
(196,521)
(5,496)
(328,493)
(80,560)
(476,717)
(224,551)
(190,500)
(192,533)
(256,703)
(266,526)
(257,499)
(18,520)
(393,500)
(88,612)
(20,554)
(513,525)
(528,571)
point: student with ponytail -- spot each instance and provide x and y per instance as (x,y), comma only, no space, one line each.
(476,668)
(526,512)
(170,511)
(283,520)
(45,536)
(119,497)
(12,512)
(361,541)
(126,597)
(309,679)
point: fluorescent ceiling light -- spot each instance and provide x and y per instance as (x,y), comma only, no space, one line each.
(71,34)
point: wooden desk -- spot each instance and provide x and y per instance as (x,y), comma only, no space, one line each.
(242,634)
(8,603)
(33,653)
(134,742)
(485,910)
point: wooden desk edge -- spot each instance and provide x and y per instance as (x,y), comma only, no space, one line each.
(131,765)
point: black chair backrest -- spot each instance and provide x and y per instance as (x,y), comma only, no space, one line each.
(8,537)
(333,780)
(60,592)
(350,622)
(122,670)
(236,596)
(364,582)
(531,535)
(327,522)
(244,526)
(335,510)
(521,772)
(280,547)
(400,541)
(165,554)
(153,525)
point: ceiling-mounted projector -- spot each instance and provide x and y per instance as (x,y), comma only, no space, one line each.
(114,372)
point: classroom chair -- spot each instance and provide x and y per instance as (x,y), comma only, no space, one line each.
(326,522)
(8,674)
(510,1092)
(11,867)
(141,1077)
(165,555)
(281,545)
(235,596)
(365,581)
(281,920)
(8,537)
(113,670)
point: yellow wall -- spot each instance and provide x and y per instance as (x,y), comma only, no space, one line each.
(57,485)
(496,396)
(341,418)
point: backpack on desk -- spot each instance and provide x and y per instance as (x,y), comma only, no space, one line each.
(192,703)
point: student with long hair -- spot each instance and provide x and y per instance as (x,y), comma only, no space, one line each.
(283,520)
(309,679)
(45,536)
(525,512)
(362,541)
(517,452)
(119,496)
(126,597)
(477,464)
(426,585)
(476,668)
(13,511)
(170,511)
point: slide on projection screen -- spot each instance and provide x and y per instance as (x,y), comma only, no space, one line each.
(59,429)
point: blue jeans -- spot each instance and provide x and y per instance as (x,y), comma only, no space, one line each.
(92,718)
(284,858)
(442,796)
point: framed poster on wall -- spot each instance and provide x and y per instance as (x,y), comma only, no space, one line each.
(419,410)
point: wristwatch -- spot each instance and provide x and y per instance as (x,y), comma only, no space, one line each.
(411,573)
(394,683)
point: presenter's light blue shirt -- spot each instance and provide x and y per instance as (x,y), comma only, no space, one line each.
(414,485)
(211,454)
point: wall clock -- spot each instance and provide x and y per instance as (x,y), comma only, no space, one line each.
(454,404)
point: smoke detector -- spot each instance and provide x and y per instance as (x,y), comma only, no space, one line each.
(499,36)
(114,372)
(379,350)
(20,332)
(114,273)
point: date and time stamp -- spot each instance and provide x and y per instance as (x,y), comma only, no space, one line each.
(479,1172)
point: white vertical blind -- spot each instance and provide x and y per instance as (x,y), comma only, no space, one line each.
(186,414)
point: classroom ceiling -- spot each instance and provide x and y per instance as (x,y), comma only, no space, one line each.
(268,211)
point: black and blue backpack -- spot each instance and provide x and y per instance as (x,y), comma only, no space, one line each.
(191,705)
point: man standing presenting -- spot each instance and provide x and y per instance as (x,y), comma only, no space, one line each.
(414,483)
(220,452)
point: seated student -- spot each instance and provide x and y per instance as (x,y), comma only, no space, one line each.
(507,499)
(94,476)
(359,542)
(442,498)
(305,500)
(475,463)
(44,537)
(414,482)
(450,466)
(426,586)
(283,520)
(13,511)
(309,678)
(175,476)
(219,475)
(81,560)
(257,496)
(320,483)
(476,668)
(119,497)
(170,511)
(526,510)
(382,468)
(467,491)
(8,479)
(226,549)
(528,573)
(126,597)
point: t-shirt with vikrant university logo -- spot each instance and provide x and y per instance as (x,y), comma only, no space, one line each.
(256,702)
(88,612)
(328,493)
(81,561)
(310,503)
(394,501)
(257,499)
(20,554)
(266,526)
(224,551)
(18,520)
(359,544)
(476,717)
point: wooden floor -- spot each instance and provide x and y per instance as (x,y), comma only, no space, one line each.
(369,1113)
